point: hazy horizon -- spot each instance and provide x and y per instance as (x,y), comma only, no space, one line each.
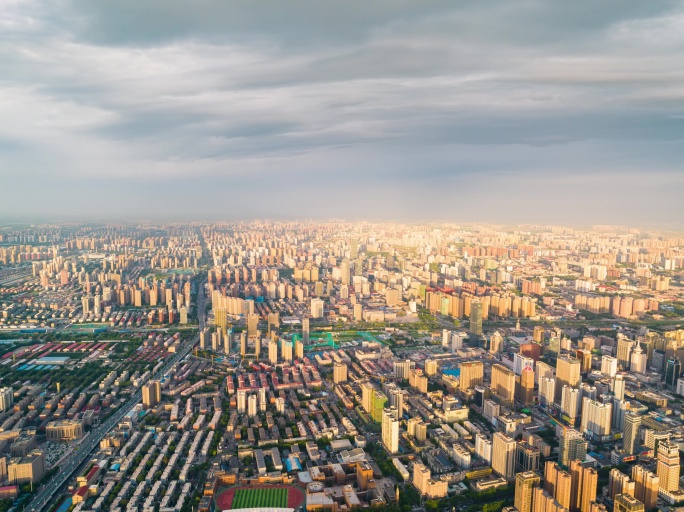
(537,112)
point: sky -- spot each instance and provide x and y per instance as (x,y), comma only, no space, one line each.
(538,111)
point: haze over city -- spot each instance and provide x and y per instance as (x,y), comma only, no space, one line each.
(567,112)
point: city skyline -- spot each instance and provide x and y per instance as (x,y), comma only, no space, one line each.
(430,111)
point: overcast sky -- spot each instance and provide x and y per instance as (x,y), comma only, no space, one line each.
(527,111)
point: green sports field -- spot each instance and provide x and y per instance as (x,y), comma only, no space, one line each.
(257,498)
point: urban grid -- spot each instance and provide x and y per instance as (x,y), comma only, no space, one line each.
(330,366)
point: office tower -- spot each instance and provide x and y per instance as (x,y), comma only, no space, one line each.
(572,447)
(273,351)
(526,457)
(570,403)
(673,371)
(305,330)
(626,503)
(619,483)
(584,486)
(631,432)
(609,366)
(596,418)
(390,429)
(6,398)
(524,484)
(619,387)
(567,374)
(527,386)
(252,325)
(646,486)
(476,317)
(252,406)
(547,391)
(503,383)
(241,401)
(668,465)
(503,455)
(317,308)
(472,374)
(151,394)
(339,373)
(624,351)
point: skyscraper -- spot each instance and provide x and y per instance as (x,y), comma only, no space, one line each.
(503,455)
(476,317)
(527,386)
(596,418)
(584,486)
(668,465)
(624,351)
(631,432)
(524,484)
(673,371)
(390,429)
(570,404)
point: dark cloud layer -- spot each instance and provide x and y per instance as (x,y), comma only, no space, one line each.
(533,111)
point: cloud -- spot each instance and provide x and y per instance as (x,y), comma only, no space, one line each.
(160,103)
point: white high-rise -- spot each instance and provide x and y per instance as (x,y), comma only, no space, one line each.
(503,455)
(609,365)
(390,429)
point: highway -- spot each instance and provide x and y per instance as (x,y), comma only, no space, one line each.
(43,500)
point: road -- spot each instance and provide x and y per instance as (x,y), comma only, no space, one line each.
(43,500)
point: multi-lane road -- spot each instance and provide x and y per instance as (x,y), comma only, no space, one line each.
(44,498)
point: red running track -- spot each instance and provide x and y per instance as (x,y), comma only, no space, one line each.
(295,496)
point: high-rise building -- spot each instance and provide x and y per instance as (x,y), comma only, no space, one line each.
(527,457)
(668,465)
(631,432)
(339,373)
(609,366)
(252,325)
(378,405)
(547,391)
(299,349)
(151,394)
(287,350)
(568,371)
(476,317)
(390,429)
(241,401)
(403,368)
(572,447)
(495,342)
(252,406)
(472,374)
(538,334)
(305,330)
(570,404)
(6,398)
(527,386)
(596,418)
(619,387)
(558,484)
(639,360)
(503,455)
(524,484)
(367,393)
(646,486)
(624,351)
(584,486)
(317,308)
(619,483)
(626,503)
(673,371)
(273,351)
(503,383)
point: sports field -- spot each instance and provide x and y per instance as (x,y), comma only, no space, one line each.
(259,498)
